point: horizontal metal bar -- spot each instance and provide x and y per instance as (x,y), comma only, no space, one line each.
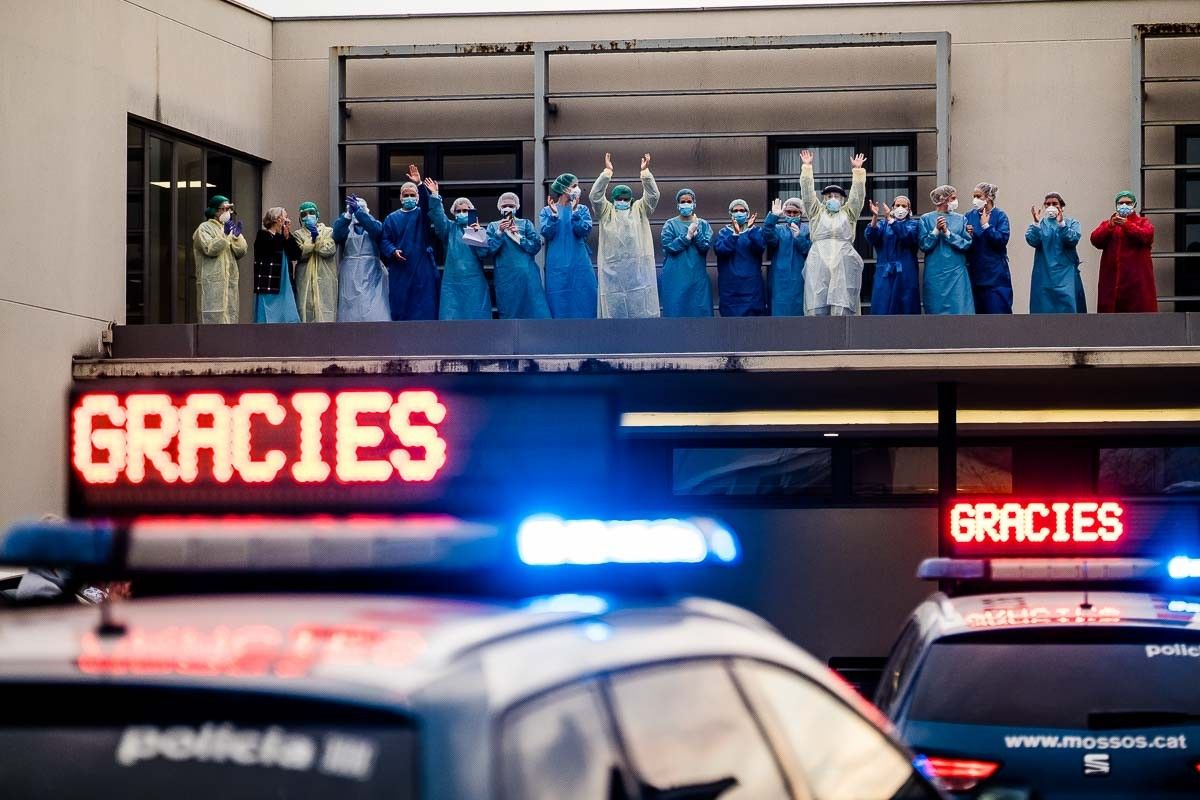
(1172,79)
(391,184)
(470,139)
(644,45)
(1165,211)
(1169,167)
(433,98)
(1180,299)
(637,137)
(1176,255)
(746,90)
(770,177)
(1165,123)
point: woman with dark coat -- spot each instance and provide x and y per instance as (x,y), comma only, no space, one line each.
(276,254)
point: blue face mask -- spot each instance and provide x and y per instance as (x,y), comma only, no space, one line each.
(408,203)
(740,217)
(1124,211)
(686,208)
(623,205)
(834,205)
(462,217)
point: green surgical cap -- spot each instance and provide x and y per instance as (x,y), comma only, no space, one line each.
(1125,193)
(215,202)
(309,205)
(562,183)
(622,191)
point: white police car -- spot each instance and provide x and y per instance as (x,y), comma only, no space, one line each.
(416,691)
(1063,693)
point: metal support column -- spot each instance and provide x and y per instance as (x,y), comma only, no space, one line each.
(944,99)
(1137,134)
(947,433)
(337,128)
(541,148)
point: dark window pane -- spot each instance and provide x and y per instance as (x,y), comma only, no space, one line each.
(135,227)
(895,470)
(478,166)
(674,741)
(1150,470)
(192,199)
(753,471)
(985,470)
(160,264)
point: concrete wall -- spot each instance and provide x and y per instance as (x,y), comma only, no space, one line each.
(70,74)
(1041,97)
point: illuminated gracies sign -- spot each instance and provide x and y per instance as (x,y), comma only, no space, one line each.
(255,437)
(1025,525)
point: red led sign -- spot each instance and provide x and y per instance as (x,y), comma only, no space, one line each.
(1055,522)
(306,437)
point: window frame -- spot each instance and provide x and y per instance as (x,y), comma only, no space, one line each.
(434,153)
(1185,267)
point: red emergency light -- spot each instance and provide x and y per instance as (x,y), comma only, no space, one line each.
(353,436)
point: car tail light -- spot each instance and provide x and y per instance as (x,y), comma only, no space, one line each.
(956,774)
(1196,766)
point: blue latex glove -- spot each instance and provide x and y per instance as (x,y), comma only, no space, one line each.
(237,228)
(312,229)
(229,226)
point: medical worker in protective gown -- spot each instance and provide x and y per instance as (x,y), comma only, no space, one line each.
(686,290)
(565,224)
(739,248)
(408,254)
(1126,268)
(897,285)
(513,242)
(987,260)
(317,272)
(833,270)
(362,278)
(786,235)
(464,284)
(628,278)
(945,242)
(217,244)
(276,253)
(1056,287)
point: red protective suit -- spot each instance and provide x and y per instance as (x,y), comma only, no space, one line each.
(1126,271)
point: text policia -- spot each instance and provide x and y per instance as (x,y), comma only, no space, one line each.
(1062,522)
(138,437)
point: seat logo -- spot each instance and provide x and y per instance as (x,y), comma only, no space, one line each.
(1096,764)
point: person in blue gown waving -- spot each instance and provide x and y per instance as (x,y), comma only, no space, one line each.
(464,284)
(686,290)
(945,242)
(408,254)
(513,242)
(894,235)
(987,260)
(788,241)
(565,224)
(740,247)
(1056,287)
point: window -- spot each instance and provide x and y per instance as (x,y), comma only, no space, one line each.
(831,162)
(841,754)
(688,725)
(169,181)
(558,747)
(899,660)
(772,471)
(1187,232)
(481,172)
(1149,470)
(881,471)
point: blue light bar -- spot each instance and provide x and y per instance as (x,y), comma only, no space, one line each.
(547,540)
(57,544)
(948,569)
(1183,567)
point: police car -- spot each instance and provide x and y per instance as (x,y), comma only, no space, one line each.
(443,681)
(1053,676)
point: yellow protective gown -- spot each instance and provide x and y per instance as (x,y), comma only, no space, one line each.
(833,270)
(317,275)
(628,278)
(217,272)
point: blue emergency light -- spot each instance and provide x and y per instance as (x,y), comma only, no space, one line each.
(1183,567)
(547,540)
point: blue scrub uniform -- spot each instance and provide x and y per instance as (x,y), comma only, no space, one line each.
(786,273)
(897,285)
(279,307)
(739,272)
(464,285)
(947,283)
(362,278)
(519,292)
(412,283)
(570,276)
(686,290)
(987,263)
(1056,287)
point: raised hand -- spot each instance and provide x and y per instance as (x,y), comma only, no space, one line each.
(431,185)
(1037,216)
(398,255)
(693,229)
(552,204)
(646,161)
(795,230)
(941,225)
(414,174)
(887,211)
(874,208)
(608,162)
(750,222)
(806,156)
(858,161)
(777,207)
(984,216)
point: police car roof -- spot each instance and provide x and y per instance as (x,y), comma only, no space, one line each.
(389,651)
(942,616)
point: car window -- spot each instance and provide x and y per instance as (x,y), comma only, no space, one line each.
(898,663)
(558,747)
(687,725)
(840,753)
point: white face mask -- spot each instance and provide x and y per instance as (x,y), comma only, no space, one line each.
(953,205)
(224,217)
(978,203)
(1051,212)
(900,212)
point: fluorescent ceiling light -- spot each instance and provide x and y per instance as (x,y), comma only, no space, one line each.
(884,416)
(183,185)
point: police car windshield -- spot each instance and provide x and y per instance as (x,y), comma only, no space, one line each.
(142,742)
(1057,678)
